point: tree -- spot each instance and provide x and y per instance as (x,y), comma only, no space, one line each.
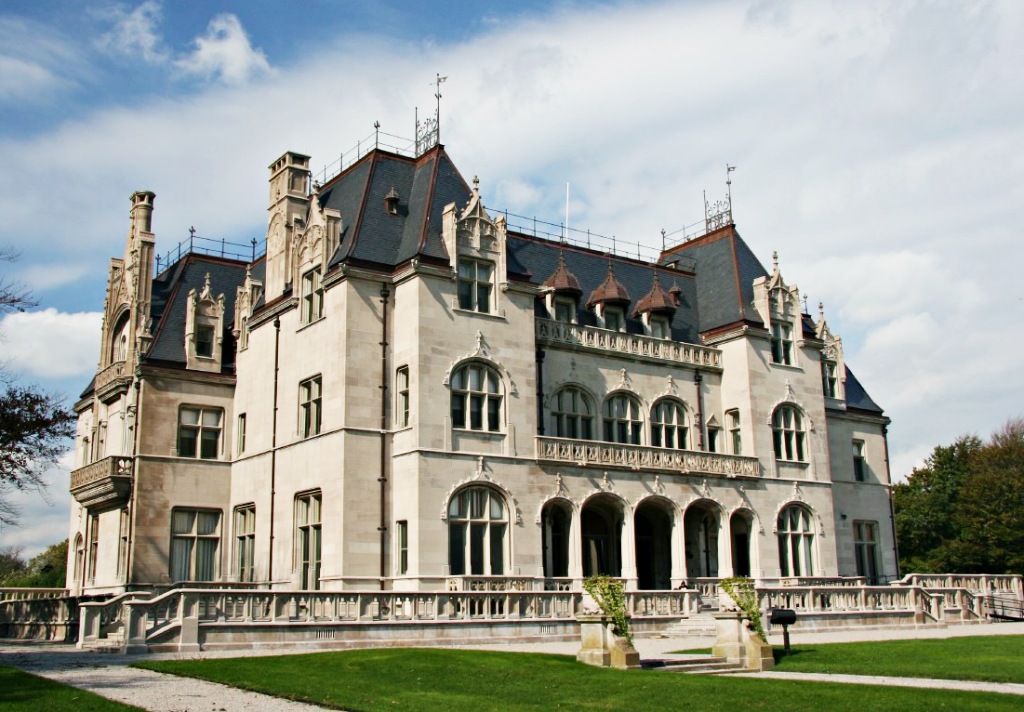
(925,507)
(47,569)
(990,514)
(963,512)
(34,425)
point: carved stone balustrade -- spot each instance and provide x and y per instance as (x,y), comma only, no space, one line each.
(556,334)
(585,453)
(112,380)
(105,483)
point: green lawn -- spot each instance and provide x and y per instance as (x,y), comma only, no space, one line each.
(989,658)
(21,692)
(429,680)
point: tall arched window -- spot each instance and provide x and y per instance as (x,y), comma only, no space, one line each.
(476,398)
(573,414)
(669,427)
(622,422)
(477,533)
(119,342)
(788,434)
(796,541)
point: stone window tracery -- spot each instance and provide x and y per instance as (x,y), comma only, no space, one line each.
(476,398)
(477,532)
(788,436)
(795,531)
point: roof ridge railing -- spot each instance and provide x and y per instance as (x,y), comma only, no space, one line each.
(378,139)
(196,244)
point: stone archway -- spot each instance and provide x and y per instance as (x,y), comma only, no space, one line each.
(652,525)
(701,525)
(601,520)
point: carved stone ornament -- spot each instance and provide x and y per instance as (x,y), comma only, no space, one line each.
(789,397)
(606,484)
(479,474)
(705,491)
(482,352)
(624,381)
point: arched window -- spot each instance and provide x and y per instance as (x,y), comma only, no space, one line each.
(669,427)
(119,343)
(477,533)
(573,414)
(622,422)
(476,398)
(788,434)
(796,541)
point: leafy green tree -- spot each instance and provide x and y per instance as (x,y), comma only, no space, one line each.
(990,511)
(926,504)
(44,570)
(11,563)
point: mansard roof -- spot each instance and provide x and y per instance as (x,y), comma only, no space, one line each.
(856,397)
(726,269)
(538,256)
(370,233)
(170,301)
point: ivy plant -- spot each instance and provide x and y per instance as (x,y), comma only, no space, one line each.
(611,597)
(742,591)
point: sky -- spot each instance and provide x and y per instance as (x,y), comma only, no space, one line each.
(874,145)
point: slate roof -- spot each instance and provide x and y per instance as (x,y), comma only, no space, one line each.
(590,267)
(562,280)
(726,269)
(856,397)
(370,234)
(170,302)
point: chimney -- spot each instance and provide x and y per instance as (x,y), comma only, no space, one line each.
(142,210)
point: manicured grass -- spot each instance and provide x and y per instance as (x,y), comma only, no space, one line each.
(692,651)
(429,680)
(989,658)
(21,692)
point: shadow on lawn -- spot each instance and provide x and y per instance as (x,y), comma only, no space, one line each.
(781,655)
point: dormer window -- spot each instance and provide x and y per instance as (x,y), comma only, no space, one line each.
(565,310)
(312,296)
(391,202)
(829,380)
(782,344)
(660,327)
(204,341)
(475,285)
(614,318)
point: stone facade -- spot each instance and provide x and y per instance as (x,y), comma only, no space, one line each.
(404,393)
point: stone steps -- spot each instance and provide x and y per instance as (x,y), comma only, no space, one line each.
(695,665)
(699,626)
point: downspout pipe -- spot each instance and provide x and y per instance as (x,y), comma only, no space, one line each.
(540,391)
(697,378)
(382,528)
(892,509)
(273,448)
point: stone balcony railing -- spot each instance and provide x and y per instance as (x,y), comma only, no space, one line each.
(107,481)
(634,346)
(584,453)
(112,376)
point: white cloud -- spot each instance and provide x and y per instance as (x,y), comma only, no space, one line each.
(225,52)
(43,516)
(51,344)
(20,79)
(36,62)
(135,32)
(44,277)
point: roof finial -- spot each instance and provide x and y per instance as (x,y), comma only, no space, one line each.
(821,311)
(476,185)
(775,260)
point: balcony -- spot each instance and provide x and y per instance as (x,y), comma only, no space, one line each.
(558,334)
(112,380)
(584,453)
(105,483)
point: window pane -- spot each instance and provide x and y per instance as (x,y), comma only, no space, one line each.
(189,416)
(210,439)
(497,549)
(187,443)
(208,522)
(458,411)
(497,509)
(476,412)
(493,414)
(206,559)
(457,548)
(182,521)
(478,535)
(181,556)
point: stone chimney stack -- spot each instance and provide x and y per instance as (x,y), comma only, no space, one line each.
(142,210)
(289,202)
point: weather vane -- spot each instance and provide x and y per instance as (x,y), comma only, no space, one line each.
(437,94)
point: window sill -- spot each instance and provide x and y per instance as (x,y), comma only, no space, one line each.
(792,463)
(306,325)
(486,315)
(479,433)
(785,366)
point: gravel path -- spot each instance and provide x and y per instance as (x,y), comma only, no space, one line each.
(110,676)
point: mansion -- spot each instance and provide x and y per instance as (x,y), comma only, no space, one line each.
(406,393)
